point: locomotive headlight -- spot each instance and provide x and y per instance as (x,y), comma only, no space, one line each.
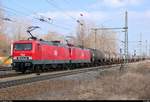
(30,58)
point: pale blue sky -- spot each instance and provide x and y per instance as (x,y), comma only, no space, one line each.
(107,12)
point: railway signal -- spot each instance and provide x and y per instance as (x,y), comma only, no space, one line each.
(82,31)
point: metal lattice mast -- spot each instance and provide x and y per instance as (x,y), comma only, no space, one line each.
(149,51)
(126,38)
(95,39)
(146,49)
(140,46)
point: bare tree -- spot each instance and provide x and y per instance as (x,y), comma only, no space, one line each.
(18,29)
(4,39)
(1,20)
(53,36)
(105,39)
(12,31)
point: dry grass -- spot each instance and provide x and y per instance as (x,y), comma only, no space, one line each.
(134,84)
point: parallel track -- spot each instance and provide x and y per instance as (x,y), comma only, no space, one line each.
(5,72)
(12,75)
(9,83)
(2,68)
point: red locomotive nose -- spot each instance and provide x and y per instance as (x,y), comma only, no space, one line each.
(22,49)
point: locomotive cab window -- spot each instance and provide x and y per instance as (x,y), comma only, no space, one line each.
(23,46)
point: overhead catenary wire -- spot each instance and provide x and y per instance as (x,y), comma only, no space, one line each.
(86,10)
(13,11)
(10,12)
(42,18)
(27,9)
(62,27)
(60,9)
(16,12)
(68,1)
(119,14)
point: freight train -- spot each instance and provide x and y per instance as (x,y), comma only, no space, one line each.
(35,55)
(39,55)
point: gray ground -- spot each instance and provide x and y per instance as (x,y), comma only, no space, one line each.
(131,84)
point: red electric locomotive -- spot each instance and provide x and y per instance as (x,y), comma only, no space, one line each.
(35,55)
(80,56)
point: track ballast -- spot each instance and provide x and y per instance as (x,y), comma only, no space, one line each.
(46,76)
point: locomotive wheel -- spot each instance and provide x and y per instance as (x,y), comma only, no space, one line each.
(59,67)
(23,71)
(38,69)
(67,66)
(63,67)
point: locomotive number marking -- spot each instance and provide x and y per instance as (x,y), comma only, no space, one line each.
(22,54)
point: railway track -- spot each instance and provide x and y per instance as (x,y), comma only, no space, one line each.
(15,74)
(7,72)
(3,68)
(13,81)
